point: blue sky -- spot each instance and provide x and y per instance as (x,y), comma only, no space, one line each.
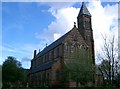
(27,26)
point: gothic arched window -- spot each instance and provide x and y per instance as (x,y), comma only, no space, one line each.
(68,50)
(75,51)
(84,55)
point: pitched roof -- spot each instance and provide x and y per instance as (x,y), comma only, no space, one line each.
(42,67)
(84,10)
(53,45)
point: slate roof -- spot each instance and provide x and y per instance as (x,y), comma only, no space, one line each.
(42,67)
(53,45)
(84,10)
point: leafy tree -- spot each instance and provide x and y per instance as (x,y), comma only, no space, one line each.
(12,72)
(80,69)
(78,72)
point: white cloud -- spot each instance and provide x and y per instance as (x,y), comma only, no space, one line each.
(56,36)
(104,21)
(64,19)
(64,22)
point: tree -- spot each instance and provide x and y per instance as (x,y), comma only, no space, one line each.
(117,72)
(109,58)
(12,72)
(81,68)
(79,72)
(104,68)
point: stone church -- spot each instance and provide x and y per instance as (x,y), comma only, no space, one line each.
(47,65)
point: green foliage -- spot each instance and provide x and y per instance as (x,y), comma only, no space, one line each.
(105,68)
(105,65)
(117,80)
(79,72)
(12,71)
(80,69)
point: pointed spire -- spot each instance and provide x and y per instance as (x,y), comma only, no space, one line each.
(84,10)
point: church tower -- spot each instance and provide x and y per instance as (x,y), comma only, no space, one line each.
(85,28)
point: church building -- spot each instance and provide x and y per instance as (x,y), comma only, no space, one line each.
(47,65)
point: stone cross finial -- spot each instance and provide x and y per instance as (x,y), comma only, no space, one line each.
(74,24)
(46,44)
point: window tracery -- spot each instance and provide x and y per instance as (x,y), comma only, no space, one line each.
(68,50)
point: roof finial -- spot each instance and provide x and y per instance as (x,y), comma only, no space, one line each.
(74,24)
(39,50)
(46,44)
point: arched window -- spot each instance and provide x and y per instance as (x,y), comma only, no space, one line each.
(84,55)
(68,51)
(76,52)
